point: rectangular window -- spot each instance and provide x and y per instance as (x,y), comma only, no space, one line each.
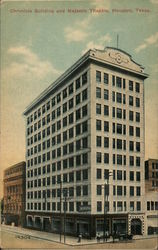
(131,191)
(131,130)
(113,96)
(106,78)
(137,117)
(99,190)
(137,87)
(84,78)
(131,85)
(113,80)
(84,95)
(118,82)
(70,88)
(138,206)
(119,190)
(98,76)
(131,100)
(131,115)
(119,97)
(98,109)
(78,83)
(99,173)
(106,158)
(137,102)
(78,99)
(98,125)
(106,142)
(98,157)
(106,94)
(106,126)
(98,92)
(119,113)
(99,206)
(106,110)
(64,107)
(98,141)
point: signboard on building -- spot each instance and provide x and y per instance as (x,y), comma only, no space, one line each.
(84,208)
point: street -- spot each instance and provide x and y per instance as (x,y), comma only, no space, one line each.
(29,239)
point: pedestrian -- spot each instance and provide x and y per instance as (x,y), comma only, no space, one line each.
(79,238)
(98,237)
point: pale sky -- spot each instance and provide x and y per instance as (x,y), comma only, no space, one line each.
(36,47)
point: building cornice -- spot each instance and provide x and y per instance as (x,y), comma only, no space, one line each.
(89,56)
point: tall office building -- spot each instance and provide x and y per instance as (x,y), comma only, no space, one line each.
(85,148)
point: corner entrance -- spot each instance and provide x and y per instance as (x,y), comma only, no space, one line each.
(136,227)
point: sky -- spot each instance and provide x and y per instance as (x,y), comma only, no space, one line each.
(41,39)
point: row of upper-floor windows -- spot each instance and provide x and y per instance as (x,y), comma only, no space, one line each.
(119,206)
(118,97)
(118,175)
(154,165)
(71,118)
(151,205)
(56,193)
(56,206)
(78,160)
(117,81)
(69,90)
(82,143)
(116,143)
(70,177)
(56,166)
(14,188)
(116,159)
(119,190)
(117,112)
(79,129)
(154,184)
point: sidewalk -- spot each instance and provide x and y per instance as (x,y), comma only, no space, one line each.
(69,240)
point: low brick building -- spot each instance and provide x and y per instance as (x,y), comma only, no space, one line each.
(14,194)
(151,175)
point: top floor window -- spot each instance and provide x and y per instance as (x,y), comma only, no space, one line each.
(84,78)
(70,88)
(58,98)
(78,83)
(106,78)
(98,76)
(118,82)
(137,87)
(64,93)
(131,85)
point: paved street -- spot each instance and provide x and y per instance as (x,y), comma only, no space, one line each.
(18,238)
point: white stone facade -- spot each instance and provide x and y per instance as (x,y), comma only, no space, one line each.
(102,130)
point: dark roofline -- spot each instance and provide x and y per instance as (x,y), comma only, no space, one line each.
(15,165)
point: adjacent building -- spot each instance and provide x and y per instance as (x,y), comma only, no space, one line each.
(14,194)
(151,175)
(85,148)
(151,195)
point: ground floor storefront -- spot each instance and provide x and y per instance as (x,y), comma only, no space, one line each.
(88,225)
(14,219)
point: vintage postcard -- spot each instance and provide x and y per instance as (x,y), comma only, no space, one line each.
(79,119)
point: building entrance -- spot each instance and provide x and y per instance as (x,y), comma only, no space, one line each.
(46,224)
(136,227)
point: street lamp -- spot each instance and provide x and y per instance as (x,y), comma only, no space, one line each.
(106,193)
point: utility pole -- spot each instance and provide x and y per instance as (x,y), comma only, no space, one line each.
(60,209)
(64,216)
(107,194)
